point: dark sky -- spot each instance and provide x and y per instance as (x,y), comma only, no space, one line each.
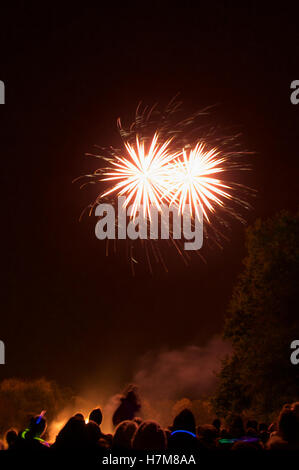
(68,312)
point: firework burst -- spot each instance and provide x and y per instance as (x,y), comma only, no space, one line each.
(192,181)
(169,158)
(142,175)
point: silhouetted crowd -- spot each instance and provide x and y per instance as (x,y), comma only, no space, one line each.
(131,433)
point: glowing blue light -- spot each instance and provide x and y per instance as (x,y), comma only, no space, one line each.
(182,430)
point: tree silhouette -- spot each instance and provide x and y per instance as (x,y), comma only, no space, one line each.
(262,321)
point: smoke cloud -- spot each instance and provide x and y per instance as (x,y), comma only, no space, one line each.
(172,380)
(177,373)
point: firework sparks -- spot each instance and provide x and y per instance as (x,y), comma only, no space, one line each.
(193,182)
(142,175)
(169,158)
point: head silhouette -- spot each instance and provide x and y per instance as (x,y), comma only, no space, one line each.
(128,407)
(236,427)
(92,433)
(288,425)
(37,426)
(11,437)
(123,435)
(149,436)
(72,435)
(217,424)
(184,421)
(96,416)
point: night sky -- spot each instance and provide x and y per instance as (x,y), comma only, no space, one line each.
(68,312)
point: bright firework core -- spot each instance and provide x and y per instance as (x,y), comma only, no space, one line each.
(160,175)
(192,183)
(142,175)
